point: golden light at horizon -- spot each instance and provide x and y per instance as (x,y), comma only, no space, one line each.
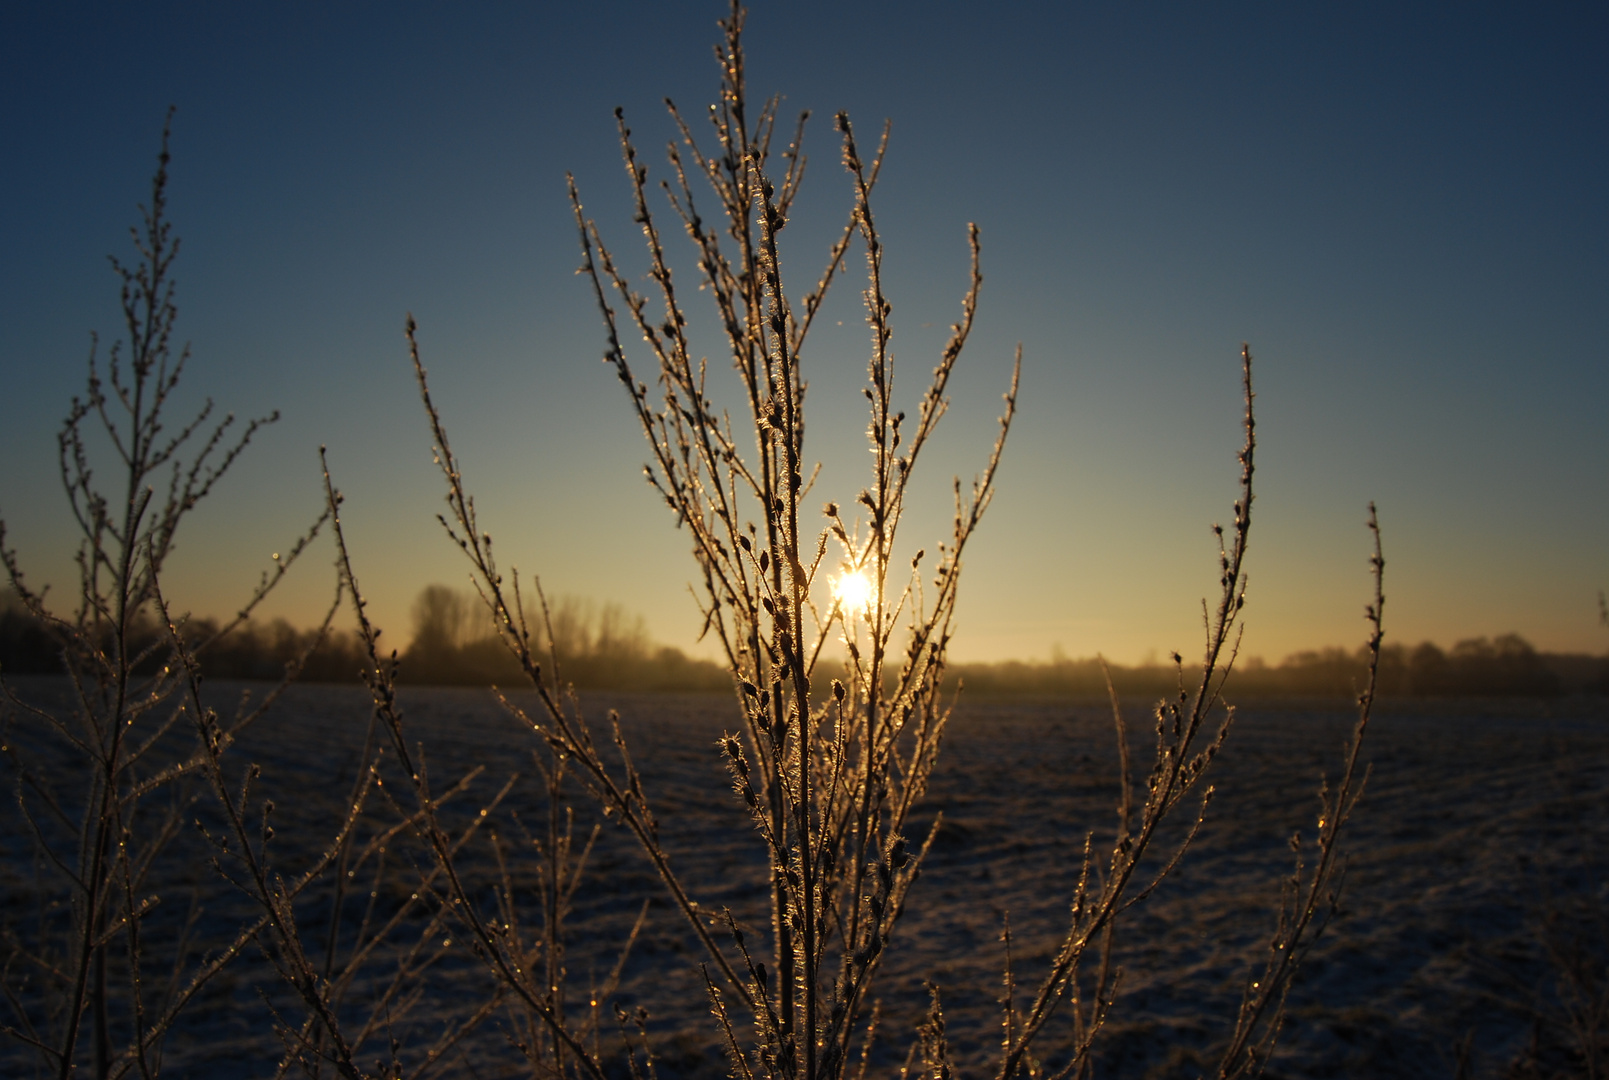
(853,592)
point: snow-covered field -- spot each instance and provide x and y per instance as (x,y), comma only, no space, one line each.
(1480,822)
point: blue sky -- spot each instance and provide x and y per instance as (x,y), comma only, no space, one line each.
(1400,207)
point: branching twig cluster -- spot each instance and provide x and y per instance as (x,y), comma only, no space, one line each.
(829,770)
(92,981)
(830,774)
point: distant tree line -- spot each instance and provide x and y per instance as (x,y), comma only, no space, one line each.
(1504,666)
(253,650)
(453,644)
(595,647)
(605,647)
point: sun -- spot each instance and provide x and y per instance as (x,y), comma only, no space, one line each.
(853,591)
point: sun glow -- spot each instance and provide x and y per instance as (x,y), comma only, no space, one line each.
(853,591)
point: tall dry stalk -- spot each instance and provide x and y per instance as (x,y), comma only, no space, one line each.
(829,773)
(1112,880)
(1188,737)
(93,978)
(1311,894)
(526,964)
(830,776)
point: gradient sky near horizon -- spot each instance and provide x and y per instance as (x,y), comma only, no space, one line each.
(1400,207)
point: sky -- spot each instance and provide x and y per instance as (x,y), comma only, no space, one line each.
(1400,208)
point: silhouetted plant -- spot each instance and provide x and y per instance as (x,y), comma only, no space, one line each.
(829,772)
(829,769)
(93,978)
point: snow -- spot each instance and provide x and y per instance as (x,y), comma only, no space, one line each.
(1482,837)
